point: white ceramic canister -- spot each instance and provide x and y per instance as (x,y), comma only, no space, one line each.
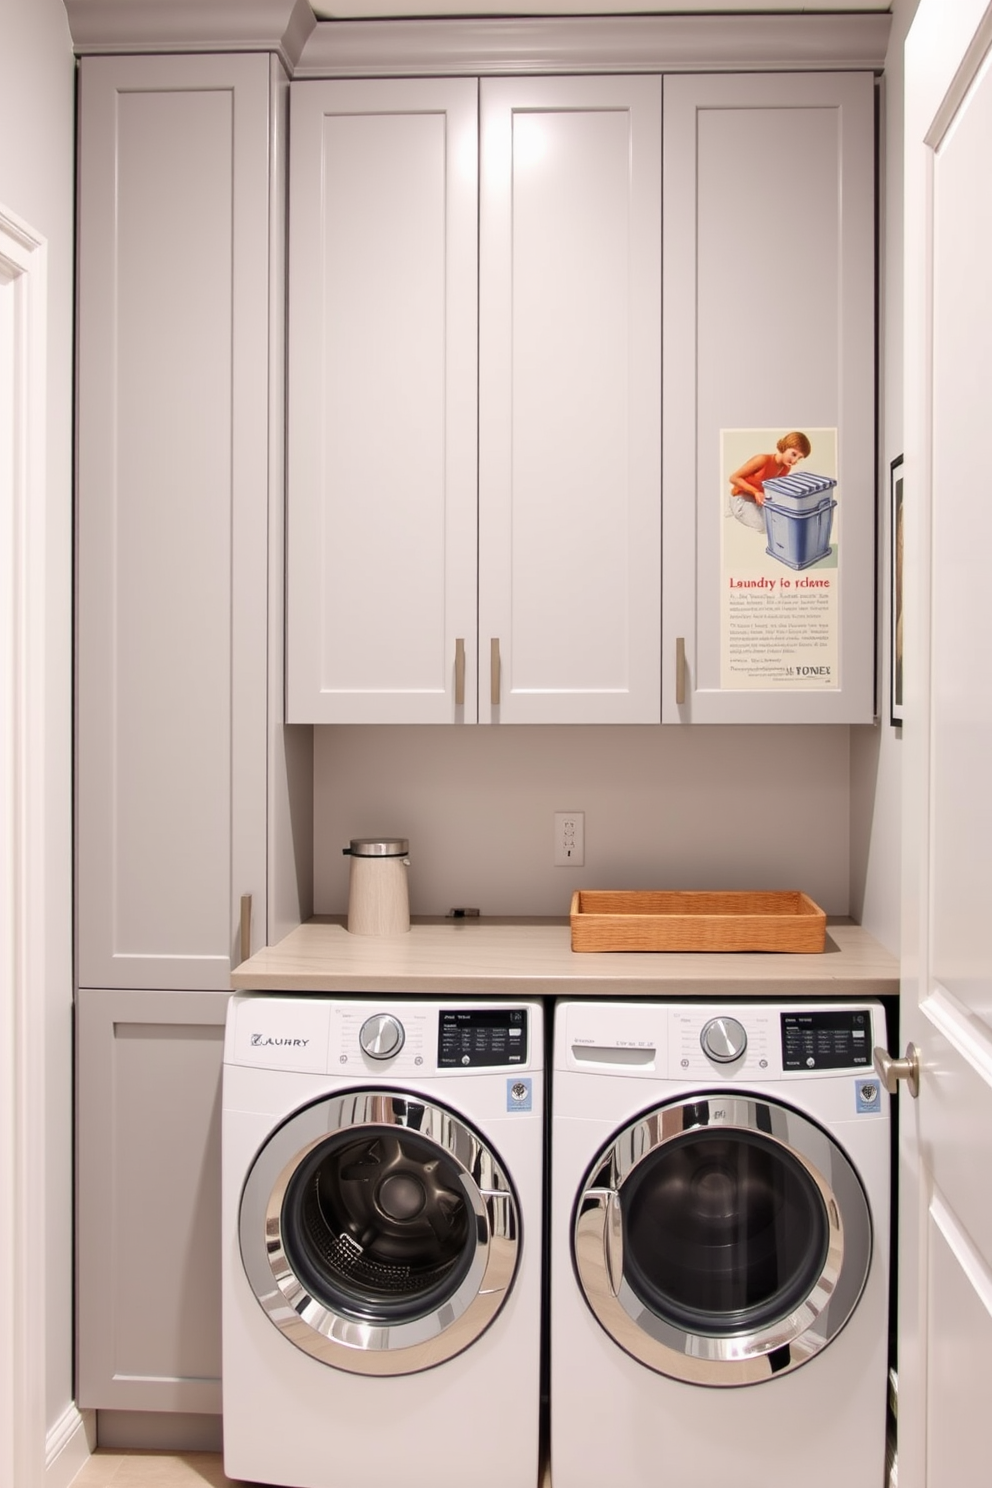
(378,892)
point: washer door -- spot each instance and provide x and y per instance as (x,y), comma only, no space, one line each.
(722,1241)
(378,1232)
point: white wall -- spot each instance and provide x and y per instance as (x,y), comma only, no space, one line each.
(36,185)
(700,807)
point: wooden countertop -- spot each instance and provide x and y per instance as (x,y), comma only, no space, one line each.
(533,958)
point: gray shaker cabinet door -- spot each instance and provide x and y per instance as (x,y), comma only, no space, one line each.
(149,1068)
(382,450)
(569,400)
(173,494)
(769,334)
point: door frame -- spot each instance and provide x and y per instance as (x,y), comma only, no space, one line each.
(944,52)
(24,865)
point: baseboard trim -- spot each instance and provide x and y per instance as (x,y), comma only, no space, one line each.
(68,1445)
(159,1431)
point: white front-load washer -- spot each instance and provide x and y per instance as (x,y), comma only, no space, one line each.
(382,1241)
(719,1245)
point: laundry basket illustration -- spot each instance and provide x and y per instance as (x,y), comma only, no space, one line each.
(799,513)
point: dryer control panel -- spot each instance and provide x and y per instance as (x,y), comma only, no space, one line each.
(731,1041)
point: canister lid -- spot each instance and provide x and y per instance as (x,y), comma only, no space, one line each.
(378,847)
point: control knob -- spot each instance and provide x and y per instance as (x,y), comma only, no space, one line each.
(381,1036)
(724,1039)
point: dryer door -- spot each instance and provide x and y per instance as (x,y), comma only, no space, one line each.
(380,1233)
(722,1240)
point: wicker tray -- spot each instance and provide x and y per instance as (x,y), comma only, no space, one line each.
(680,920)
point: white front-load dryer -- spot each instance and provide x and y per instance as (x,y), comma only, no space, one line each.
(719,1246)
(382,1242)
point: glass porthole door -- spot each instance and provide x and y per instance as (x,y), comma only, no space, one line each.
(722,1241)
(379,1233)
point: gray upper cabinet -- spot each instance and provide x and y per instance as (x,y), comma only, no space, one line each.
(769,332)
(673,277)
(474,401)
(174,476)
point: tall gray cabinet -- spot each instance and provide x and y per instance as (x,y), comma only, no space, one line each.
(184,773)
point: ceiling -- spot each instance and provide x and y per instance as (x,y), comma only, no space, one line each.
(328,10)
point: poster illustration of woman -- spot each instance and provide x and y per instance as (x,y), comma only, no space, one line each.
(781,559)
(747,485)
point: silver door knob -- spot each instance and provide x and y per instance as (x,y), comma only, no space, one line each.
(890,1071)
(381,1036)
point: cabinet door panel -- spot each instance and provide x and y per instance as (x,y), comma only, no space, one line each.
(769,329)
(172,515)
(382,436)
(569,501)
(148,1131)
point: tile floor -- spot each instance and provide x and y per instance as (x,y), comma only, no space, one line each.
(112,1469)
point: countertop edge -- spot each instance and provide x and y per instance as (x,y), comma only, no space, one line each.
(533,958)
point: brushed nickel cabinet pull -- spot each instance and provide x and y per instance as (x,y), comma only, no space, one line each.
(494,666)
(245,926)
(680,669)
(459,672)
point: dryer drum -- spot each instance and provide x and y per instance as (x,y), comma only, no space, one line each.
(379,1233)
(723,1233)
(722,1240)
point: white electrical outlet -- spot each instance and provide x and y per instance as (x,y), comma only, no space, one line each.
(570,839)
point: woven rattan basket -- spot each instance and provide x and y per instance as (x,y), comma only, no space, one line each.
(682,920)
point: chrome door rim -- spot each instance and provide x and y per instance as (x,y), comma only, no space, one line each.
(352,1344)
(740,1358)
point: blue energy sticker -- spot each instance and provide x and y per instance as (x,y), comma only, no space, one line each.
(519,1094)
(868,1094)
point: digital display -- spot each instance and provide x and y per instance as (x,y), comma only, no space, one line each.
(473,1037)
(836,1040)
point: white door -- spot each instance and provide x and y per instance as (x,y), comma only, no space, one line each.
(946,1200)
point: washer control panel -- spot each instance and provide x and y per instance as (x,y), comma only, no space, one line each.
(819,1040)
(468,1038)
(391,1038)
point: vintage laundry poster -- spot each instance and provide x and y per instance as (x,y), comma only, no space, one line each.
(781,525)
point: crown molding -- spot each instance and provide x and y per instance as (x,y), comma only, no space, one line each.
(507,45)
(150,26)
(628,43)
